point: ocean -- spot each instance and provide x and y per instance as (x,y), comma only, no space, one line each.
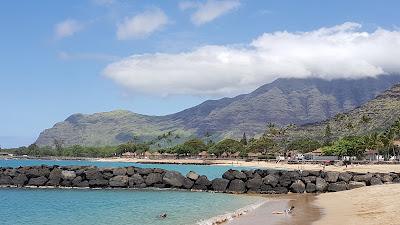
(112,206)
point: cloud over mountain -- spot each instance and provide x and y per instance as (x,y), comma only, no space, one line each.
(342,51)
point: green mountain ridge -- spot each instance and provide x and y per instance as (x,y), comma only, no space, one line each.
(374,116)
(283,102)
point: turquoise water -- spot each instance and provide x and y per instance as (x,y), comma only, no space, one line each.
(210,171)
(113,207)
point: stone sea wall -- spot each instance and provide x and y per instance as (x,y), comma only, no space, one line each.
(232,181)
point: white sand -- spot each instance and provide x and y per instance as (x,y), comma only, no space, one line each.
(371,205)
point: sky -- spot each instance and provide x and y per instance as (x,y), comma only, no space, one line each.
(160,57)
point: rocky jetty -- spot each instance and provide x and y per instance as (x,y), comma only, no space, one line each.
(232,181)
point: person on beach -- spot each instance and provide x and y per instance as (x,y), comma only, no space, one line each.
(286,211)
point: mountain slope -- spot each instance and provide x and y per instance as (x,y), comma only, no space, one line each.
(283,101)
(375,115)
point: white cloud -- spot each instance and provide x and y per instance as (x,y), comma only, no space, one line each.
(67,28)
(142,25)
(103,2)
(209,10)
(342,51)
(87,56)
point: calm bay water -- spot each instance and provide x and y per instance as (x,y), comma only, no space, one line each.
(141,207)
(211,171)
(117,207)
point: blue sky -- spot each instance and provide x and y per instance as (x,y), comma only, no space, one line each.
(64,57)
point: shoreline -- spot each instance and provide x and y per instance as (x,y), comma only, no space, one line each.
(359,168)
(305,213)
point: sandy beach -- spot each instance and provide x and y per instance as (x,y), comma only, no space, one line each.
(381,168)
(371,205)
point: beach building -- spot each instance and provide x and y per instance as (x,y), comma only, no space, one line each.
(236,155)
(129,154)
(203,154)
(224,155)
(252,155)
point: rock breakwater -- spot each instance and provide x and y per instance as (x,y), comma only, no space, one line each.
(232,181)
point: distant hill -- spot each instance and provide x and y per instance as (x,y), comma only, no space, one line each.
(284,101)
(375,115)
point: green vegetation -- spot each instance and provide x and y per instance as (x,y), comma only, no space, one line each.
(303,145)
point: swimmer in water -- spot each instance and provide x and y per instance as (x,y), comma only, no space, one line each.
(163,215)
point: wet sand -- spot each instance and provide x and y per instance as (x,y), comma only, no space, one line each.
(305,212)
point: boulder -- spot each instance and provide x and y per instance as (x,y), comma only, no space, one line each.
(55,174)
(220,184)
(5,180)
(135,180)
(331,177)
(321,185)
(279,190)
(254,184)
(107,175)
(314,173)
(187,183)
(239,175)
(37,181)
(294,175)
(38,172)
(144,171)
(396,180)
(202,183)
(298,187)
(53,182)
(285,180)
(119,171)
(363,178)
(355,184)
(77,180)
(387,178)
(10,172)
(20,180)
(173,178)
(82,184)
(375,181)
(93,174)
(130,170)
(66,183)
(153,178)
(158,170)
(192,175)
(68,175)
(346,177)
(98,182)
(249,173)
(311,188)
(270,180)
(265,188)
(228,175)
(119,181)
(236,186)
(159,185)
(338,186)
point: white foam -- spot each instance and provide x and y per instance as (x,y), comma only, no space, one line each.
(231,215)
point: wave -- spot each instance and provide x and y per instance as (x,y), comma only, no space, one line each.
(231,215)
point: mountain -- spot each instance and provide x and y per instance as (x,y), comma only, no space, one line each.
(284,101)
(375,115)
